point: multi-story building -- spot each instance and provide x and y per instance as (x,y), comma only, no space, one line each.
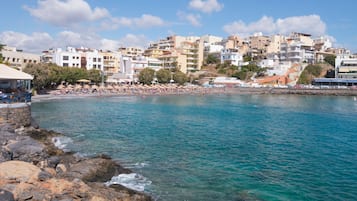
(259,43)
(78,58)
(346,66)
(111,62)
(231,56)
(275,44)
(212,45)
(68,58)
(17,58)
(296,52)
(235,42)
(184,53)
(131,51)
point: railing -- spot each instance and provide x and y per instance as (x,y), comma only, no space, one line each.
(23,97)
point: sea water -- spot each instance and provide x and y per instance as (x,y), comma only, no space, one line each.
(227,147)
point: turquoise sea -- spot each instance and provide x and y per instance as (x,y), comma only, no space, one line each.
(222,147)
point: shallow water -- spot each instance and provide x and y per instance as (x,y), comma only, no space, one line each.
(229,147)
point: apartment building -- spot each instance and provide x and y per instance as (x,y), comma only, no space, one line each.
(131,51)
(111,62)
(346,66)
(235,42)
(79,58)
(231,56)
(275,44)
(17,58)
(259,43)
(185,53)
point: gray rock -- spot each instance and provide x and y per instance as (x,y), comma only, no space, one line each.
(96,170)
(43,176)
(53,161)
(6,195)
(27,149)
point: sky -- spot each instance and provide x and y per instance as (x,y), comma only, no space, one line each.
(37,25)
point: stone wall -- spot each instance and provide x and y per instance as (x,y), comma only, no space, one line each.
(17,114)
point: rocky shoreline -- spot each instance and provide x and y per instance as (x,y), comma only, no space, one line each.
(33,168)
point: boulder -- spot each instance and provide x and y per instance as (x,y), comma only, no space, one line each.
(25,148)
(96,170)
(19,171)
(6,195)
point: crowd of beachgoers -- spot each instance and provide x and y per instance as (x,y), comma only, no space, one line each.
(135,89)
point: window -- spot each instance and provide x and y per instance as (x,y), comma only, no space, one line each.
(94,66)
(94,59)
(73,57)
(99,60)
(65,58)
(65,64)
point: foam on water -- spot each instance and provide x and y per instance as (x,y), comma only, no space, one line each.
(62,143)
(133,181)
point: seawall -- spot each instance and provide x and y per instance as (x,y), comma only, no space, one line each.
(17,114)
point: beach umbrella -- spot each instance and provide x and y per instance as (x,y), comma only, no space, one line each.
(83,81)
(59,87)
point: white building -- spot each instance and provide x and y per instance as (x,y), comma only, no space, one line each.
(78,58)
(346,67)
(17,58)
(94,60)
(231,56)
(68,58)
(297,52)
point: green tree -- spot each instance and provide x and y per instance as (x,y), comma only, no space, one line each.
(247,58)
(330,59)
(94,75)
(1,59)
(212,59)
(41,73)
(163,76)
(180,77)
(146,76)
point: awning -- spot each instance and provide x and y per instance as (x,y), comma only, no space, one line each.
(7,73)
(83,81)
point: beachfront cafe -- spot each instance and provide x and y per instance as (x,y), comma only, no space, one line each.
(15,86)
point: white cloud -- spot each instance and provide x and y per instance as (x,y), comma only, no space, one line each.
(206,6)
(37,42)
(31,43)
(311,24)
(132,40)
(145,21)
(66,12)
(193,19)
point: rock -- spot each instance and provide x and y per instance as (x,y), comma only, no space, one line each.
(6,195)
(96,170)
(34,124)
(5,155)
(53,161)
(61,168)
(19,171)
(27,149)
(43,175)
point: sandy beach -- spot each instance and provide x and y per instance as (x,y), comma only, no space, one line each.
(185,90)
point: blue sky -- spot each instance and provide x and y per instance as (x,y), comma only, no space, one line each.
(36,25)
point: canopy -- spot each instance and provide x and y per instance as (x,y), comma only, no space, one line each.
(7,73)
(83,81)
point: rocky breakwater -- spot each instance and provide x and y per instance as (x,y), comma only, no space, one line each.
(32,168)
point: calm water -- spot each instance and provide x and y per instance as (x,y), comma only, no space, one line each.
(248,147)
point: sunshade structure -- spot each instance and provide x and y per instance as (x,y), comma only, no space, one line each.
(83,81)
(7,73)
